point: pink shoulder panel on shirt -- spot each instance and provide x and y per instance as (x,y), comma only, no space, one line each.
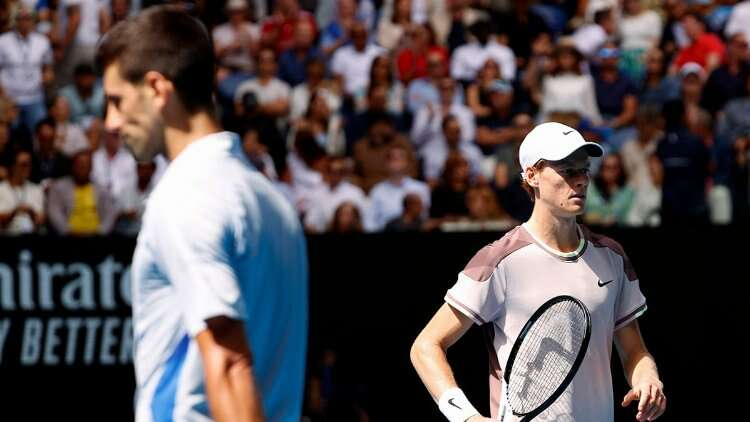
(488,258)
(601,241)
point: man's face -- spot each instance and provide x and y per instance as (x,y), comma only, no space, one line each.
(452,132)
(45,135)
(22,166)
(304,34)
(563,184)
(132,115)
(359,36)
(81,168)
(267,63)
(24,21)
(85,82)
(397,162)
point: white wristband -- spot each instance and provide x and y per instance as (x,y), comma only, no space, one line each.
(455,406)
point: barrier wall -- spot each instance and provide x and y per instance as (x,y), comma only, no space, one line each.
(65,327)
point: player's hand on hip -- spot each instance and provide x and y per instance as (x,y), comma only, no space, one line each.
(650,396)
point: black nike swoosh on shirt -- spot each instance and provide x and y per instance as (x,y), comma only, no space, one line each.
(604,284)
(450,402)
(568,132)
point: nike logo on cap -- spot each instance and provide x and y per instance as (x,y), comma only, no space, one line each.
(450,402)
(568,132)
(604,284)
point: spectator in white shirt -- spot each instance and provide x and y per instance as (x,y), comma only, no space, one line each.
(426,131)
(132,203)
(271,92)
(640,31)
(739,20)
(113,167)
(21,202)
(387,197)
(589,38)
(26,68)
(83,23)
(236,41)
(568,89)
(315,83)
(69,137)
(450,142)
(469,58)
(335,192)
(351,64)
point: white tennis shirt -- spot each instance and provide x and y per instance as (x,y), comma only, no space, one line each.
(508,280)
(217,240)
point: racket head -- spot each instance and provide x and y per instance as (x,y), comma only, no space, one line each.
(554,305)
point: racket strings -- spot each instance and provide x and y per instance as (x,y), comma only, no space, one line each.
(546,356)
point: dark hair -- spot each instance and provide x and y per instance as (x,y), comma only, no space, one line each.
(47,121)
(170,42)
(84,69)
(695,15)
(599,180)
(375,62)
(376,117)
(601,15)
(447,119)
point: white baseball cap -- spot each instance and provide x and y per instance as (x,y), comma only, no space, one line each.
(553,141)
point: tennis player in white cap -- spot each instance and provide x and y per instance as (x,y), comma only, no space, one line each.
(549,255)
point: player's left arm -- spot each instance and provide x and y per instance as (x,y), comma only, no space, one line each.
(641,373)
(227,365)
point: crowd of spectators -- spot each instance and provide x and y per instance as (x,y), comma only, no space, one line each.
(398,115)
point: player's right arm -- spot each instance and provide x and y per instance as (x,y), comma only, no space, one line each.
(428,353)
(227,365)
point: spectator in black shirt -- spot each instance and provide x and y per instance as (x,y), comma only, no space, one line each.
(728,80)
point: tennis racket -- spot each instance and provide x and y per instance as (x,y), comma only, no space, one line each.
(546,356)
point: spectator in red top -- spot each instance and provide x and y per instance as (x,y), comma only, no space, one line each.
(277,31)
(705,48)
(411,61)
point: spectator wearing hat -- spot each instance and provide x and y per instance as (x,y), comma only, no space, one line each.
(705,48)
(616,97)
(728,80)
(26,68)
(692,78)
(85,95)
(496,128)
